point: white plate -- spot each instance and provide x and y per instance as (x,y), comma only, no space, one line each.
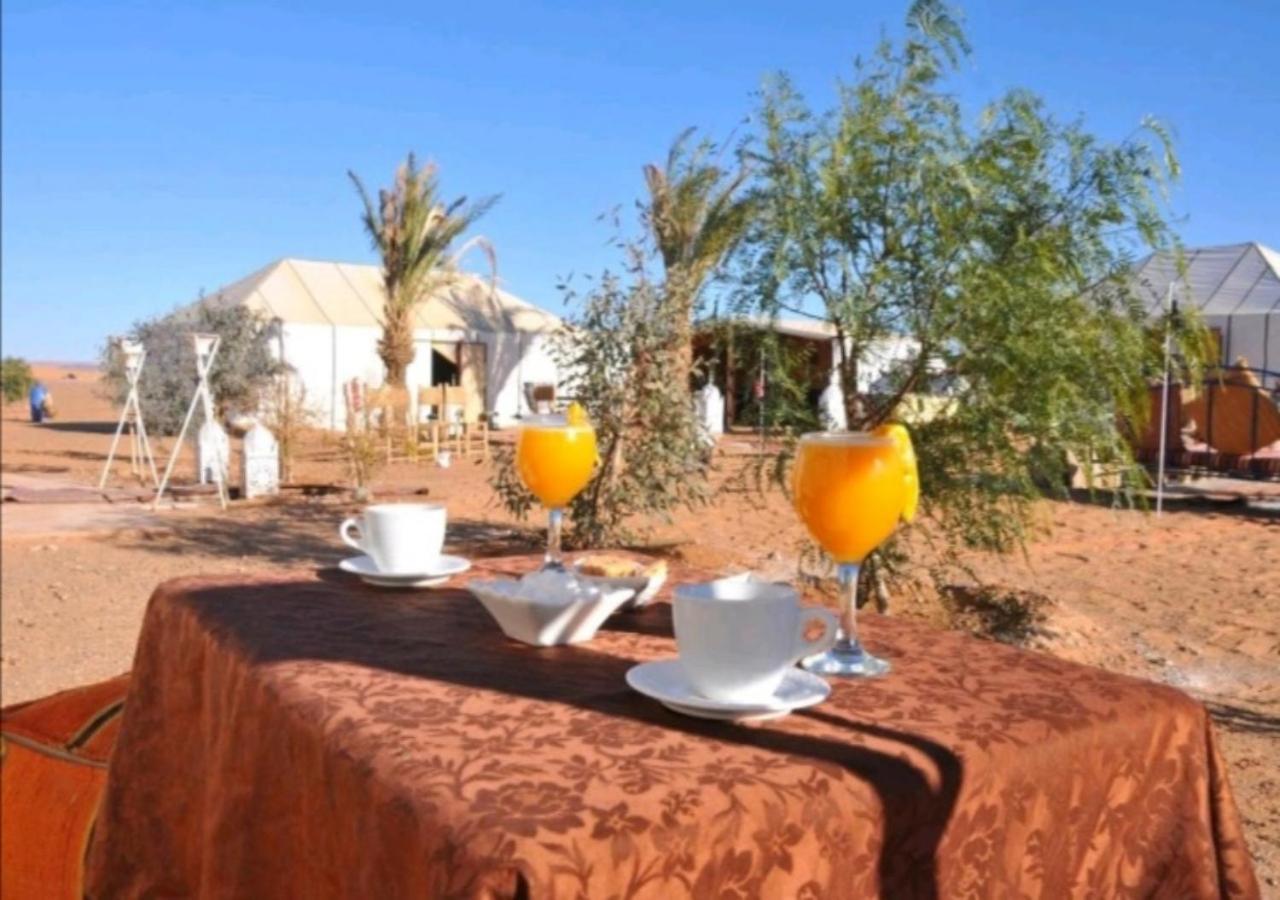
(444,568)
(664,681)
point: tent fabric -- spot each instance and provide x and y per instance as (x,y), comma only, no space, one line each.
(1231,280)
(310,292)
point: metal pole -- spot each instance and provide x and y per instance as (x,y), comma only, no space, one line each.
(201,398)
(146,448)
(223,465)
(1169,307)
(134,374)
(124,414)
(177,448)
(760,400)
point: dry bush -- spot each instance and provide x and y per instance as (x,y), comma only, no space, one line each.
(286,414)
(363,447)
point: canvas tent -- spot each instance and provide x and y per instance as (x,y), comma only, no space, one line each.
(327,329)
(1236,289)
(811,344)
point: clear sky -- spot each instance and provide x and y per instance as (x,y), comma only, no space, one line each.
(154,149)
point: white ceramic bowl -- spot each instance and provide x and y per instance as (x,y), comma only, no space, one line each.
(543,619)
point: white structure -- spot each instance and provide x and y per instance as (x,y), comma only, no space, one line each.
(1236,289)
(328,326)
(710,409)
(260,463)
(212,447)
(877,358)
(831,406)
(213,450)
(134,356)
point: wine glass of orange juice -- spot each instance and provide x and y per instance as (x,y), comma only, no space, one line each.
(555,456)
(849,488)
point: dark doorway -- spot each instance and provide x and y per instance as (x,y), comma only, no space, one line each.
(443,370)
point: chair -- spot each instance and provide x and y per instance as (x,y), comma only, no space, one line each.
(434,425)
(473,429)
(540,396)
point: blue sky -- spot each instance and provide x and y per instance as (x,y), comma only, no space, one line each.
(154,149)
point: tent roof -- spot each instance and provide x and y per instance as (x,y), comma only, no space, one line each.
(1236,279)
(811,329)
(301,291)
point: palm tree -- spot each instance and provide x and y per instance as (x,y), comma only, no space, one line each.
(414,232)
(697,214)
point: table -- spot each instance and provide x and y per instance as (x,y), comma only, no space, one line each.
(301,735)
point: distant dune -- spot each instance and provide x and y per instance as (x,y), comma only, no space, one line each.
(62,371)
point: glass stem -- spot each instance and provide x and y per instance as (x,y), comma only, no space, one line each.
(553,560)
(847,636)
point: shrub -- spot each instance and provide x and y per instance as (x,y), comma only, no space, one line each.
(16,375)
(287,416)
(621,361)
(243,369)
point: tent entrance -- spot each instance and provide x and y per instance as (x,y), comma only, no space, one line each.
(444,368)
(462,364)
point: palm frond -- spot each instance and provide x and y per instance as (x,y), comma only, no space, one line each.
(415,231)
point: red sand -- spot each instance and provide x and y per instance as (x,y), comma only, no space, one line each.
(1192,599)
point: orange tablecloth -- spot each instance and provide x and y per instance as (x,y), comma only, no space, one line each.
(298,736)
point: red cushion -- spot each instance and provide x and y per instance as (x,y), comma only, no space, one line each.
(53,765)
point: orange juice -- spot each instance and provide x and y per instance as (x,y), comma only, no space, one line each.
(849,489)
(555,461)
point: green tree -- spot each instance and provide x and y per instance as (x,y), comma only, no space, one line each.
(415,232)
(696,214)
(243,369)
(15,374)
(999,250)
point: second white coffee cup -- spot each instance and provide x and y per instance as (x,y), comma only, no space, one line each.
(738,637)
(400,538)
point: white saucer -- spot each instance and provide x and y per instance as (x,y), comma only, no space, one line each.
(441,570)
(664,681)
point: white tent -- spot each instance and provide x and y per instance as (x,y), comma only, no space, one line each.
(1236,289)
(327,315)
(878,358)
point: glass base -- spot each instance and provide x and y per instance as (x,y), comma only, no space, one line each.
(552,565)
(846,662)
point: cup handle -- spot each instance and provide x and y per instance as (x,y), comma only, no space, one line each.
(823,642)
(345,531)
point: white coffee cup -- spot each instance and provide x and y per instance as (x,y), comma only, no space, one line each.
(400,538)
(737,637)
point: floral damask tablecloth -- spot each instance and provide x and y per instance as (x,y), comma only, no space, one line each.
(301,735)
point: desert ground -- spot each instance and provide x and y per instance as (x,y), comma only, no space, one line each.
(1191,599)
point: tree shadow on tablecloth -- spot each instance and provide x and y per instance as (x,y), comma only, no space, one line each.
(446,636)
(303,534)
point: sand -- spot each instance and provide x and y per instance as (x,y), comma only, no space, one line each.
(1191,599)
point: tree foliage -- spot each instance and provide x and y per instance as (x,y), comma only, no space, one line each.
(16,377)
(999,249)
(696,213)
(243,369)
(416,234)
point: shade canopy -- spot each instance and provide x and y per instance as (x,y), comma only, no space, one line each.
(300,291)
(1231,280)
